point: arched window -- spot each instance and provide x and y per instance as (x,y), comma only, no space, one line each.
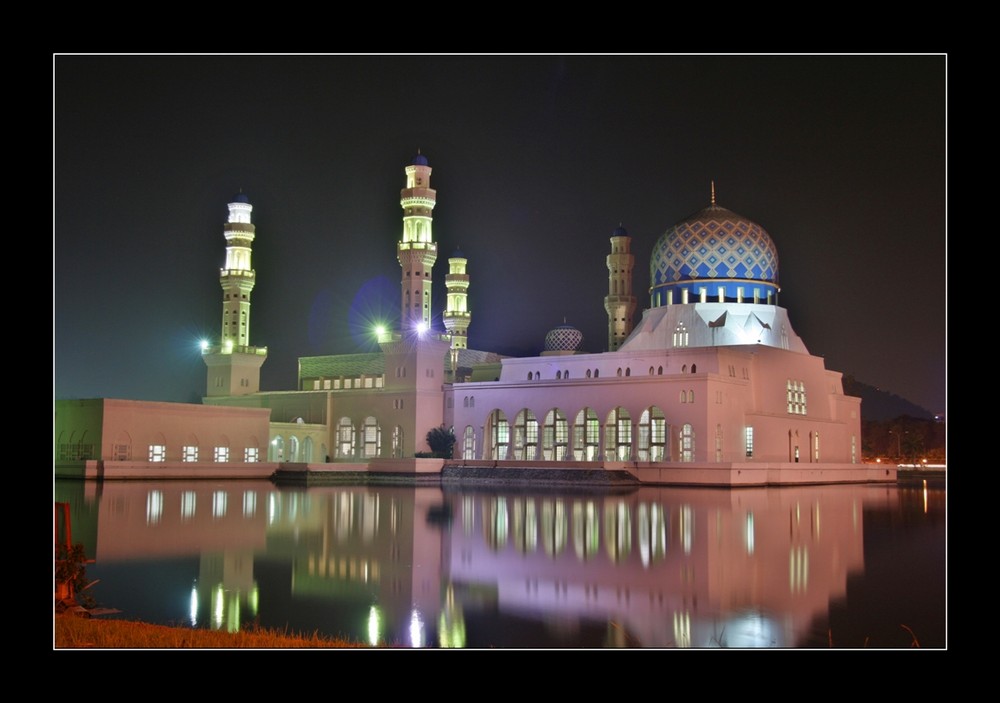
(684,396)
(555,436)
(694,368)
(565,374)
(525,436)
(345,438)
(650,370)
(558,375)
(469,443)
(619,371)
(372,438)
(652,435)
(588,373)
(497,436)
(628,371)
(597,373)
(586,436)
(618,435)
(659,371)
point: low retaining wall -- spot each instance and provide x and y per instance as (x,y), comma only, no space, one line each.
(459,473)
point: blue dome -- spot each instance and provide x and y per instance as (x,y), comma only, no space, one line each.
(241,198)
(619,232)
(457,254)
(716,247)
(419,160)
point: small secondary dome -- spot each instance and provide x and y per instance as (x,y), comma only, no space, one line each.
(564,338)
(419,160)
(240,197)
(619,232)
(714,253)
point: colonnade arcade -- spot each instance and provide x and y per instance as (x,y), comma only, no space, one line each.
(620,437)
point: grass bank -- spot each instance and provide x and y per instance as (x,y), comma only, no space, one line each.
(74,632)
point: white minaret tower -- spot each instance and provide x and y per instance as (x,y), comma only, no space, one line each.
(233,365)
(456,314)
(417,250)
(619,303)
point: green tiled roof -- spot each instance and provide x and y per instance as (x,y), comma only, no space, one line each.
(350,365)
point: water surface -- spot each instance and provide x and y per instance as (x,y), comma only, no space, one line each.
(819,566)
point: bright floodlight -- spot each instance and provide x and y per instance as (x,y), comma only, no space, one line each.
(203,344)
(421,327)
(379,331)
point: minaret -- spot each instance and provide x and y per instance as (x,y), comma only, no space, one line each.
(417,250)
(457,315)
(619,303)
(233,365)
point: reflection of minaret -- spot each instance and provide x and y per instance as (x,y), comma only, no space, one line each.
(456,314)
(417,250)
(233,365)
(619,303)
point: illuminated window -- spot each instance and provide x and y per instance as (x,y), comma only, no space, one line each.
(749,441)
(345,438)
(157,452)
(687,443)
(372,437)
(251,455)
(221,454)
(469,443)
(854,449)
(816,446)
(190,453)
(718,442)
(796,393)
(681,335)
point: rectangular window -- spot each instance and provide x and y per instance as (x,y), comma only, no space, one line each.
(749,441)
(221,454)
(190,453)
(157,452)
(251,455)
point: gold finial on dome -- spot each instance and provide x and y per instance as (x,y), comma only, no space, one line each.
(713,192)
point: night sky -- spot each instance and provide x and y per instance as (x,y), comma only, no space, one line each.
(536,159)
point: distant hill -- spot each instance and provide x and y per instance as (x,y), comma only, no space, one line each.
(879,405)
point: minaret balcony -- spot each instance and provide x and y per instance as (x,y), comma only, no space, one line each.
(229,348)
(238,273)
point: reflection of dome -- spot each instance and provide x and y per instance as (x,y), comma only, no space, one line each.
(563,338)
(714,250)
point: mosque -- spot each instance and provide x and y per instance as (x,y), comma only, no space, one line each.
(712,378)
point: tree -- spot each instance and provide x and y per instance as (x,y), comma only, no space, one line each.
(441,440)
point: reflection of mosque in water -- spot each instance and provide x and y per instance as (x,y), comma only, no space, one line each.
(658,567)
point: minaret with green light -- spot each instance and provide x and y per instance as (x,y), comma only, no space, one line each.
(417,250)
(456,314)
(234,365)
